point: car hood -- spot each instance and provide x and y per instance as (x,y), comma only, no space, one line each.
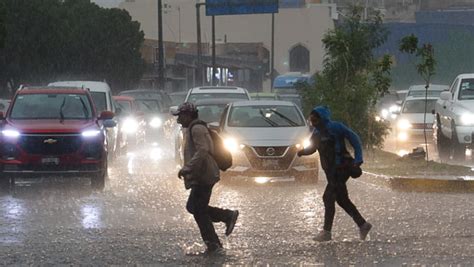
(416,117)
(466,105)
(268,136)
(50,126)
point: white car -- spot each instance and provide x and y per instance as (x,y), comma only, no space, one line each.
(103,101)
(206,92)
(264,137)
(411,125)
(454,124)
(434,90)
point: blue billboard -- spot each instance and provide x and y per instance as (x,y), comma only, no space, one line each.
(240,7)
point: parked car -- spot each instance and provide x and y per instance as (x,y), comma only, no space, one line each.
(102,97)
(210,110)
(411,124)
(160,95)
(131,120)
(264,137)
(454,118)
(54,131)
(263,96)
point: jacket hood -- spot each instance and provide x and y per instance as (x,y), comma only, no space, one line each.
(324,113)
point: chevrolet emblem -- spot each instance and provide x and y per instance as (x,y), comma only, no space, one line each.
(50,141)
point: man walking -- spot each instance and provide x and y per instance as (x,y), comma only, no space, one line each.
(329,138)
(200,172)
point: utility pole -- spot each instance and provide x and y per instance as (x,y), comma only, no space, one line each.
(272,64)
(199,49)
(213,50)
(161,68)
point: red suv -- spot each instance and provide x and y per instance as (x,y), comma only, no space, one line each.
(51,131)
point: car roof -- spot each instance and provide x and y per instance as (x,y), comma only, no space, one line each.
(218,89)
(150,91)
(466,76)
(262,94)
(123,98)
(262,103)
(93,86)
(179,93)
(409,98)
(51,90)
(216,101)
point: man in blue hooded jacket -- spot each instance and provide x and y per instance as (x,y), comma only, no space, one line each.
(329,139)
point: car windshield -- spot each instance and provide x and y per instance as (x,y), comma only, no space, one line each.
(418,106)
(194,97)
(466,92)
(177,99)
(148,106)
(52,106)
(211,113)
(100,101)
(125,106)
(265,116)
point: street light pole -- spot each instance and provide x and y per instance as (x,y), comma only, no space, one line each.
(272,64)
(213,50)
(199,49)
(161,68)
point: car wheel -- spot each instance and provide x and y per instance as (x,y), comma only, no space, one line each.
(458,149)
(442,145)
(98,180)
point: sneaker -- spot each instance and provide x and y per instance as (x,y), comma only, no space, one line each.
(323,236)
(214,250)
(364,230)
(231,223)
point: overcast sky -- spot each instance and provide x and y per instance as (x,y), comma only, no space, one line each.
(108,3)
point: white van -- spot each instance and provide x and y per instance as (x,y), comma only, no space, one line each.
(102,96)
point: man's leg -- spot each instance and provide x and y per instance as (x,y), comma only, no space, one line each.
(342,198)
(329,199)
(198,206)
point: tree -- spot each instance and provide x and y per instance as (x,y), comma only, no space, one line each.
(352,78)
(425,68)
(48,40)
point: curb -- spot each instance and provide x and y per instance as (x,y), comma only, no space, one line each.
(409,184)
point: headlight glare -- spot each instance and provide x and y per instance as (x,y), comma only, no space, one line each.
(11,133)
(130,125)
(156,123)
(404,124)
(231,144)
(90,133)
(467,119)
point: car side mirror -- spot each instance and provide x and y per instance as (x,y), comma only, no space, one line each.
(109,123)
(445,95)
(214,126)
(106,115)
(173,109)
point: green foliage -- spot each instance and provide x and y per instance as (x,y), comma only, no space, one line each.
(352,79)
(49,40)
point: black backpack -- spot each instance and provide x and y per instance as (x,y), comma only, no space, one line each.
(221,155)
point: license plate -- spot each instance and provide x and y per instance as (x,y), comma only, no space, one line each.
(53,161)
(270,163)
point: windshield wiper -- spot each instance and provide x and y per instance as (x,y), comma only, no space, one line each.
(272,123)
(61,114)
(290,121)
(84,108)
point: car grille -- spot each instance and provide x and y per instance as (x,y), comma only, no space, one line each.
(279,162)
(270,151)
(50,144)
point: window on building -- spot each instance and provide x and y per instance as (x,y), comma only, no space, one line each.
(299,59)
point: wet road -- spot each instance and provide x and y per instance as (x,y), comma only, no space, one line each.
(140,219)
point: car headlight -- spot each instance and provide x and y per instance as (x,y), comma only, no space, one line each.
(305,144)
(404,124)
(130,125)
(90,133)
(155,123)
(231,144)
(467,119)
(11,133)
